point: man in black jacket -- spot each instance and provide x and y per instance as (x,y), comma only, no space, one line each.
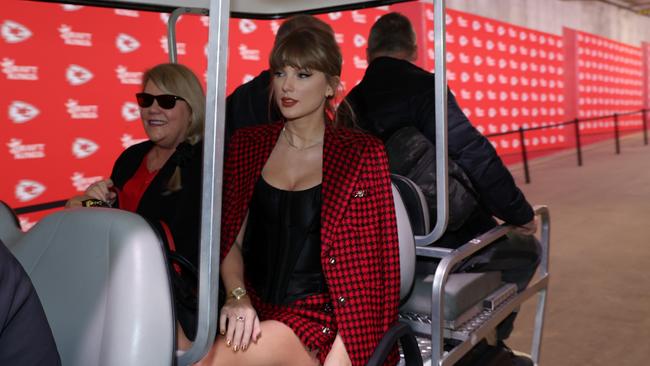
(393,94)
(25,335)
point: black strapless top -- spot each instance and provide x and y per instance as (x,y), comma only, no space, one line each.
(281,245)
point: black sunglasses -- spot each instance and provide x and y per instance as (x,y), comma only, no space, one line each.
(165,101)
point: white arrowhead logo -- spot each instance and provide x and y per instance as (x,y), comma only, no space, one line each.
(78,75)
(335,15)
(21,112)
(27,190)
(359,40)
(126,43)
(13,32)
(247,26)
(130,111)
(83,148)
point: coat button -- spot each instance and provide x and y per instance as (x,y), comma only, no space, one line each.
(327,307)
(326,330)
(332,260)
(342,300)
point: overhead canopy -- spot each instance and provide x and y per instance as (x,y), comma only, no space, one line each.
(240,8)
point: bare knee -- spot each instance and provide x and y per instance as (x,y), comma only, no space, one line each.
(277,345)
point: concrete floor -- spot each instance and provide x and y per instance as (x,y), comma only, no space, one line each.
(598,309)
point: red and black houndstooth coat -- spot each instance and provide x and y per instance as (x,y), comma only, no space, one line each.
(359,245)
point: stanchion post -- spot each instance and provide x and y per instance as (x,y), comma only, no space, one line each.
(644,123)
(616,134)
(576,125)
(524,154)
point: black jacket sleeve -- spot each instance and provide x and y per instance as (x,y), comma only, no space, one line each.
(477,157)
(25,335)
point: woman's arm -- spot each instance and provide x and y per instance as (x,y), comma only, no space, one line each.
(238,320)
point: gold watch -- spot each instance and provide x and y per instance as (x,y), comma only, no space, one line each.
(238,293)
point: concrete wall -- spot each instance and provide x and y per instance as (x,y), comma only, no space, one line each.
(551,15)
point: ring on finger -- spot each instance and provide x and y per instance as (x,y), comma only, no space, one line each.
(240,318)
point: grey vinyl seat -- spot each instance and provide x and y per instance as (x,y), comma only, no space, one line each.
(102,278)
(10,231)
(462,290)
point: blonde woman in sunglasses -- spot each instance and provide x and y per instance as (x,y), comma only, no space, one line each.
(160,178)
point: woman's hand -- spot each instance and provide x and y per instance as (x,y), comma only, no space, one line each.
(338,355)
(101,190)
(239,323)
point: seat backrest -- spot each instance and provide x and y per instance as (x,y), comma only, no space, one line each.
(10,231)
(102,277)
(406,243)
(414,202)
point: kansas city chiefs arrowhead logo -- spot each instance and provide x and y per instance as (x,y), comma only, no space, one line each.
(78,75)
(335,15)
(126,43)
(21,112)
(247,26)
(13,32)
(27,190)
(359,40)
(130,111)
(83,148)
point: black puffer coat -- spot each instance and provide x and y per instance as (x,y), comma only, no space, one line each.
(395,93)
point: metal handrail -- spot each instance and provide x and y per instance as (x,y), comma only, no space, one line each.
(213,154)
(171,29)
(452,257)
(440,121)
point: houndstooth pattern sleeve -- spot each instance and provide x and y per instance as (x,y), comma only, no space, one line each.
(364,278)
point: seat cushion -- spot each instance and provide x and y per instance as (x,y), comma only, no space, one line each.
(463,290)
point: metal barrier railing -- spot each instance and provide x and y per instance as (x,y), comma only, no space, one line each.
(578,143)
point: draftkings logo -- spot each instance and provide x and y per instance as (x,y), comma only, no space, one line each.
(126,43)
(81,183)
(128,77)
(128,140)
(15,72)
(75,38)
(77,111)
(130,111)
(19,150)
(21,112)
(83,148)
(248,53)
(14,32)
(181,48)
(360,63)
(27,190)
(127,13)
(78,75)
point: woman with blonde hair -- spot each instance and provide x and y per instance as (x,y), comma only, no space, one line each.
(160,178)
(310,260)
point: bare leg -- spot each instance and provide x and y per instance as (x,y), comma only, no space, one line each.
(182,343)
(278,345)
